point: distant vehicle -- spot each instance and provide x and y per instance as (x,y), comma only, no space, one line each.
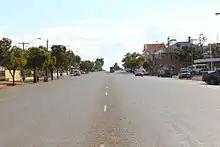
(212,77)
(112,69)
(82,72)
(204,71)
(139,72)
(197,67)
(165,73)
(185,74)
(75,73)
(145,72)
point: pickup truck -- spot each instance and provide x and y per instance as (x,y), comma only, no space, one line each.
(212,77)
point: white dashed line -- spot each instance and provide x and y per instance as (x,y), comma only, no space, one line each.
(217,109)
(106,87)
(106,93)
(105,108)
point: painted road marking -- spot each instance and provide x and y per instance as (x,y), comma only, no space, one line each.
(105,108)
(106,87)
(102,145)
(106,93)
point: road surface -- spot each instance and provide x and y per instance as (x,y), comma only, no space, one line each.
(110,110)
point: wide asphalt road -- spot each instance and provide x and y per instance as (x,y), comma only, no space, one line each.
(110,110)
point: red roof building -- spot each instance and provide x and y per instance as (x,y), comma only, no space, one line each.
(153,47)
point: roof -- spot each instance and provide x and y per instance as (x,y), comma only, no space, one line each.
(154,47)
(207,60)
(182,43)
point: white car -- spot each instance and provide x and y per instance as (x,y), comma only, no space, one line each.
(139,72)
(76,73)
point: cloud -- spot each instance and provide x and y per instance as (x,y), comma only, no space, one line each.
(4,27)
(90,21)
(111,39)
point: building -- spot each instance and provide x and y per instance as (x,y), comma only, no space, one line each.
(158,55)
(151,48)
(214,61)
(7,76)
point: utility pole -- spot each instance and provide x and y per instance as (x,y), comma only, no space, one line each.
(46,72)
(189,40)
(23,44)
(210,50)
(23,71)
(47,45)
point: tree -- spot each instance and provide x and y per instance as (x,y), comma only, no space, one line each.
(86,65)
(76,60)
(146,65)
(59,52)
(37,59)
(68,60)
(99,62)
(187,54)
(215,50)
(52,65)
(133,60)
(184,55)
(5,45)
(15,60)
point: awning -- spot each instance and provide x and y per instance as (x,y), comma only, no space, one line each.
(207,60)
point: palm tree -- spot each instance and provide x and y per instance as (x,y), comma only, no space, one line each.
(169,41)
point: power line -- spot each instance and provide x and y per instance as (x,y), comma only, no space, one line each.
(23,44)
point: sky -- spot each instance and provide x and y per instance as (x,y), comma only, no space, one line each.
(107,28)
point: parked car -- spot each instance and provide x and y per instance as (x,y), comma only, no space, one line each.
(112,69)
(165,73)
(138,72)
(185,74)
(75,73)
(203,71)
(212,77)
(145,73)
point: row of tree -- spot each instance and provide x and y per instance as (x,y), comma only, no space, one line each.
(38,59)
(88,65)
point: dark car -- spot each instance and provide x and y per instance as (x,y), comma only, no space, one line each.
(203,71)
(212,77)
(112,69)
(185,74)
(165,73)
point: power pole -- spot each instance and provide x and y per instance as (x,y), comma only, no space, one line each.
(46,72)
(47,44)
(23,44)
(23,71)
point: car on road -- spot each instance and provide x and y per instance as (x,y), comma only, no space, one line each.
(165,73)
(185,74)
(75,73)
(203,71)
(145,72)
(112,69)
(212,77)
(139,72)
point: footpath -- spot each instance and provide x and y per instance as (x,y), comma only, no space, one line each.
(28,80)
